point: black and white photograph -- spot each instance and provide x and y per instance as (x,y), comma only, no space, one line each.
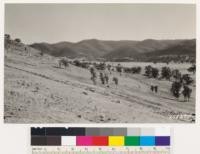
(99,63)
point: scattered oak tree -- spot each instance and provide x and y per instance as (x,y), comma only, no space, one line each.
(166,73)
(155,72)
(175,89)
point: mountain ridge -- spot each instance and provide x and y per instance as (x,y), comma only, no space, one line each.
(93,49)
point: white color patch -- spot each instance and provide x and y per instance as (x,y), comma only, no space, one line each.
(68,140)
(162,131)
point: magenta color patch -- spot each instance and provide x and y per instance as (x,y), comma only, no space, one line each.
(83,140)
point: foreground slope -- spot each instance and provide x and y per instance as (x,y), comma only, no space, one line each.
(37,91)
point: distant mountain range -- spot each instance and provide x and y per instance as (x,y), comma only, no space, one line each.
(146,50)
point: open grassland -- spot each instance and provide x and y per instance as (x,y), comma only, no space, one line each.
(38,91)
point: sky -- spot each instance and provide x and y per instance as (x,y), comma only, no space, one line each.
(74,22)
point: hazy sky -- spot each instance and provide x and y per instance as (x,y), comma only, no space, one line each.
(72,22)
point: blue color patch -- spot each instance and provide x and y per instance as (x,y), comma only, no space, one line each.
(147,140)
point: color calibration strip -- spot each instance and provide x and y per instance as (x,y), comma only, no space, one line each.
(113,137)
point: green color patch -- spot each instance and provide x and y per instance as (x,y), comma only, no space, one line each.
(132,141)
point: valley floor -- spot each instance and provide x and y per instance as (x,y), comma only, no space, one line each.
(37,91)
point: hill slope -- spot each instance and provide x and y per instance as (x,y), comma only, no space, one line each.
(38,91)
(112,50)
(150,50)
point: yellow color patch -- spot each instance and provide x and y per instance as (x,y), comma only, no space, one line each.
(116,140)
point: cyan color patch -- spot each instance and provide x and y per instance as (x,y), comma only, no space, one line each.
(147,140)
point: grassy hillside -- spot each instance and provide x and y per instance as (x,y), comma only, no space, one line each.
(38,91)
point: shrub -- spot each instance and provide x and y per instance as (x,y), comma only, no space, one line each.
(186,79)
(119,68)
(176,74)
(102,66)
(166,73)
(77,63)
(155,72)
(84,64)
(175,89)
(17,40)
(127,70)
(136,70)
(192,69)
(7,40)
(148,71)
(7,37)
